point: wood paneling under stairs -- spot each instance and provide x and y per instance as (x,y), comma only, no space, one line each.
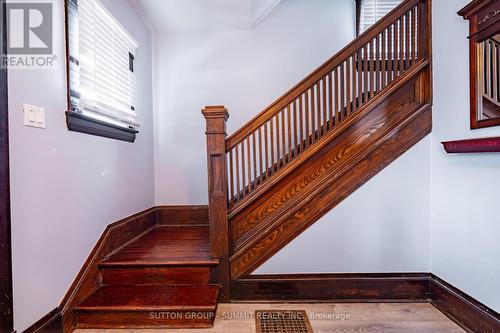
(323,181)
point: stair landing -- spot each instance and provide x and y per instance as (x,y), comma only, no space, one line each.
(166,245)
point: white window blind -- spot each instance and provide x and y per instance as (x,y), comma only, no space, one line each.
(374,10)
(102,76)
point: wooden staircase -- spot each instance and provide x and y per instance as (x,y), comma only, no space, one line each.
(267,183)
(319,142)
(159,280)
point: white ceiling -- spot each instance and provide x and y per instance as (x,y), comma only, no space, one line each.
(203,15)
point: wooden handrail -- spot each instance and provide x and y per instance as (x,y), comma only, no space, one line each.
(325,68)
(324,99)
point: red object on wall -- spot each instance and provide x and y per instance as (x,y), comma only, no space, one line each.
(485,145)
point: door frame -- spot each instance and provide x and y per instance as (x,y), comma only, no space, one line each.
(6,304)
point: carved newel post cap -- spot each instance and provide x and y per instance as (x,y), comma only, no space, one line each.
(216,111)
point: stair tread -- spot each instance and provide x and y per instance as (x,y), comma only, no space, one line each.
(166,245)
(156,298)
(161,262)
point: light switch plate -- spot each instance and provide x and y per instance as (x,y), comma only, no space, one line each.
(34,116)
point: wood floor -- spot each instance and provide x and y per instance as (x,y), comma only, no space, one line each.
(370,317)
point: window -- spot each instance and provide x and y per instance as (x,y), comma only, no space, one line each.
(101,77)
(368,12)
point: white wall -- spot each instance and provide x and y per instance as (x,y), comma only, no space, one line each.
(382,227)
(465,188)
(243,70)
(67,186)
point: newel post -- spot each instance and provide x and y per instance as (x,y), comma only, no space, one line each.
(216,117)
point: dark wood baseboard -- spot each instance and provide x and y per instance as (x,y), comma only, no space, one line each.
(50,323)
(463,309)
(469,313)
(373,287)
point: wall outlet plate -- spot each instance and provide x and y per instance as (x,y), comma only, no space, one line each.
(34,116)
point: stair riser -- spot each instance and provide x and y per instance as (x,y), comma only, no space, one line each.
(145,319)
(155,275)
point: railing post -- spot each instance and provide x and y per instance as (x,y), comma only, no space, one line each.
(423,86)
(216,117)
(425,22)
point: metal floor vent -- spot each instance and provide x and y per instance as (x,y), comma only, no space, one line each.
(286,321)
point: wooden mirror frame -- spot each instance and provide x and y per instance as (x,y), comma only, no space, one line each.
(484,21)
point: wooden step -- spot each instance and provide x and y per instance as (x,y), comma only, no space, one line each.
(176,306)
(165,255)
(166,245)
(154,275)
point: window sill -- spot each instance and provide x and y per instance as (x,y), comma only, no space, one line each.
(83,124)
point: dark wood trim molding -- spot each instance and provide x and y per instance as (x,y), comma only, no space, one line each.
(469,313)
(352,287)
(80,123)
(484,145)
(50,323)
(6,304)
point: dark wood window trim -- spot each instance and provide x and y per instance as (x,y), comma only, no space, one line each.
(6,304)
(80,123)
